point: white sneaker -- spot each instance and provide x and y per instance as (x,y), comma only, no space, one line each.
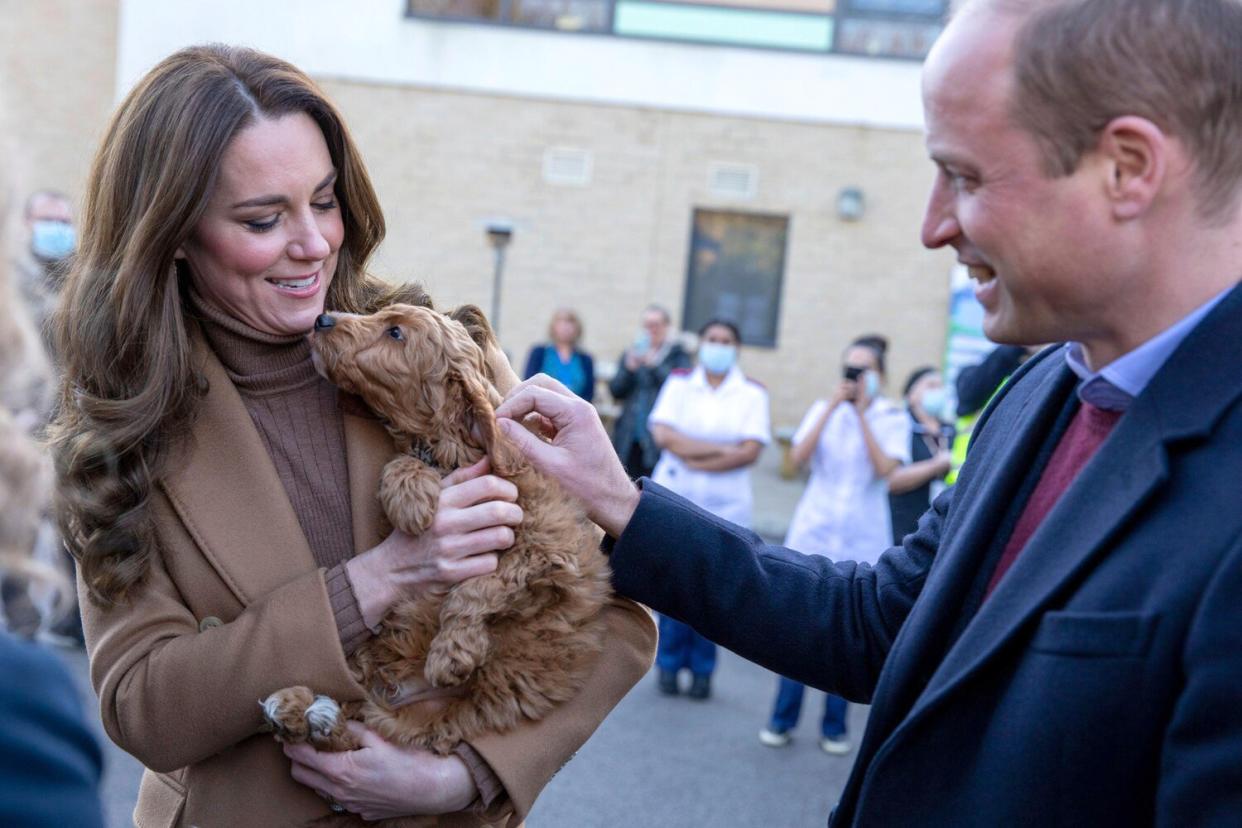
(838,746)
(773,739)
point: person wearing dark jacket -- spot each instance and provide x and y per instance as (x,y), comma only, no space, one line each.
(977,383)
(1060,641)
(911,487)
(641,373)
(50,764)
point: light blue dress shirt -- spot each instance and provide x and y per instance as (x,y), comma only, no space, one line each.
(1115,386)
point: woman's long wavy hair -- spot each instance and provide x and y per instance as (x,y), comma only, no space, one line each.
(130,385)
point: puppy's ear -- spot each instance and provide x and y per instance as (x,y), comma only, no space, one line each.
(472,319)
(505,457)
(499,371)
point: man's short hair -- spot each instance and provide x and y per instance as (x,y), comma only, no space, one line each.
(1079,64)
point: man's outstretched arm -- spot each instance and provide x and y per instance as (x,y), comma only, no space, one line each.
(828,625)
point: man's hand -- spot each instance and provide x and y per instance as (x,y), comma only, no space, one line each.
(580,456)
(380,780)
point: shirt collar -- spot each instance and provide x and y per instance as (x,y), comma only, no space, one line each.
(699,377)
(1115,386)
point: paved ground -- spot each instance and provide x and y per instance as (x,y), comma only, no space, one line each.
(656,761)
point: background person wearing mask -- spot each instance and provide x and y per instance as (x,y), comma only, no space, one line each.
(711,423)
(853,441)
(561,358)
(50,764)
(641,373)
(51,239)
(911,487)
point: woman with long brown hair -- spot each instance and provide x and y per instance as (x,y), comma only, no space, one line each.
(220,496)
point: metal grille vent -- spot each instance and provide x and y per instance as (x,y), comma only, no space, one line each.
(733,180)
(567,165)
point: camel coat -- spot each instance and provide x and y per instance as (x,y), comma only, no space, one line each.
(235,608)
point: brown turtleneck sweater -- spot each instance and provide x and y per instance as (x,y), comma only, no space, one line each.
(298,418)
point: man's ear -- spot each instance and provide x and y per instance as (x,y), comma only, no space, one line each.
(1136,154)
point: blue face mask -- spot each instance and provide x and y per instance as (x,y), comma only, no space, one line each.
(52,240)
(716,357)
(872,384)
(935,402)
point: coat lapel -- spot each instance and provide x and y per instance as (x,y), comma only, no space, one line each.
(1123,474)
(972,524)
(1182,402)
(225,489)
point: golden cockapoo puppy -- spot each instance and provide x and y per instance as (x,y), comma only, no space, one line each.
(494,649)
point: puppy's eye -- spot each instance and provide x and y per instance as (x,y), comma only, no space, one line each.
(395,333)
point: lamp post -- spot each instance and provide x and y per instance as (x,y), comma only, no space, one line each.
(499,234)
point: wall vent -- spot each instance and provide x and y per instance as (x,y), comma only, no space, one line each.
(567,165)
(727,180)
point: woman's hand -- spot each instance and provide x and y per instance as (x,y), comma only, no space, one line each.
(380,780)
(847,391)
(473,521)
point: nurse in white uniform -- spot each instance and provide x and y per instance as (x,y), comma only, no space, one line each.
(853,441)
(711,424)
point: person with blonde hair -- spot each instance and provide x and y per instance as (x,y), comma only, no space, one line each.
(562,358)
(220,495)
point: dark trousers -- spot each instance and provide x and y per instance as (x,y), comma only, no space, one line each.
(789,706)
(634,465)
(682,648)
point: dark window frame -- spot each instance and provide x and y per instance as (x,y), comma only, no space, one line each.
(773,342)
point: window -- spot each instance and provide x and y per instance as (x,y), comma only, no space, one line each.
(737,264)
(566,15)
(883,28)
(889,28)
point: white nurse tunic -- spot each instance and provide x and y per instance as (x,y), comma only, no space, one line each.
(735,411)
(843,513)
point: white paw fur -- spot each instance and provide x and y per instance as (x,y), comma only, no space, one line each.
(322,715)
(271,707)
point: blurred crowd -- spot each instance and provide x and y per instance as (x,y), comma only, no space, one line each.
(686,414)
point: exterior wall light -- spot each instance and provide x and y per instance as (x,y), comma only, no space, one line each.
(851,204)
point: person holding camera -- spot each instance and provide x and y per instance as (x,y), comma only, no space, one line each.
(641,373)
(853,441)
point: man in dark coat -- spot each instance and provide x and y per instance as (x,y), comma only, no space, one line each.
(1060,642)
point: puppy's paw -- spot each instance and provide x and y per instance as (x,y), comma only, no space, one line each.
(447,667)
(285,713)
(323,720)
(409,492)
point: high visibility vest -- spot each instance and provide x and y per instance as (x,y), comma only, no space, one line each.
(966,425)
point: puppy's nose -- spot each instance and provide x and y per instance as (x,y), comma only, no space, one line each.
(324,321)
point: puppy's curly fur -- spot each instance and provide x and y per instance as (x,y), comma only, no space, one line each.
(495,649)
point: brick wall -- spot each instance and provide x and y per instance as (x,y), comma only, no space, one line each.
(444,162)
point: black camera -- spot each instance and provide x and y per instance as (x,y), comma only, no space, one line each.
(853,372)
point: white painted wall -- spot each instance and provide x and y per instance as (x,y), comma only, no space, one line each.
(373,41)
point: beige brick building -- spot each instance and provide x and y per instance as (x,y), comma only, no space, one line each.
(449,152)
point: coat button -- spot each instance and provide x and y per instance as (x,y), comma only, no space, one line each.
(209,622)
